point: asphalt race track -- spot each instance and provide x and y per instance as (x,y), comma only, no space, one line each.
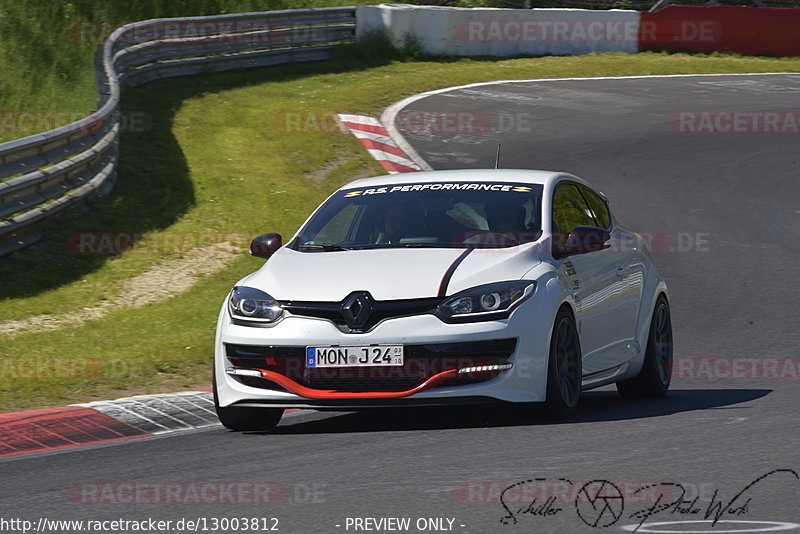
(725,208)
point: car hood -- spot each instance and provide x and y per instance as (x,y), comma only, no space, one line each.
(387,274)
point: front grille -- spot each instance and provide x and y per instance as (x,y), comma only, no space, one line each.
(420,363)
(382,310)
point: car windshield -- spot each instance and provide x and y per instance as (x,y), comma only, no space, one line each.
(418,215)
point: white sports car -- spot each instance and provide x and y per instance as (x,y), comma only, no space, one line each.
(444,287)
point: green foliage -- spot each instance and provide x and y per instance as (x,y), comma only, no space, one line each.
(376,47)
(47,46)
(412,48)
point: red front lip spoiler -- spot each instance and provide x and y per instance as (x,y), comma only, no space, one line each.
(299,389)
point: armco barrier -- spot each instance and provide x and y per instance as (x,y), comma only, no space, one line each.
(452,31)
(757,31)
(46,174)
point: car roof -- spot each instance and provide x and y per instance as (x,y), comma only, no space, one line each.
(462,175)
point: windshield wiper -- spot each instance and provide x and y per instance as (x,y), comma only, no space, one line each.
(325,247)
(332,247)
(406,245)
(424,245)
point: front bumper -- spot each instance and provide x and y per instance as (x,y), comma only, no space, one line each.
(436,349)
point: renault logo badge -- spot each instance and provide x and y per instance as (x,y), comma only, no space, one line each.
(357,309)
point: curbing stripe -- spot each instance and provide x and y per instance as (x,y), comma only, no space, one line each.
(161,413)
(359,119)
(203,403)
(127,413)
(201,415)
(104,421)
(399,168)
(383,147)
(374,137)
(172,407)
(384,139)
(366,128)
(59,428)
(384,157)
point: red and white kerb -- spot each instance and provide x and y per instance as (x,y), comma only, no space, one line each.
(376,140)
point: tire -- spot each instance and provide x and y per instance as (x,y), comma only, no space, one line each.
(654,378)
(564,369)
(245,418)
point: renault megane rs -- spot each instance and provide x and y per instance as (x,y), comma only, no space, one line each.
(444,287)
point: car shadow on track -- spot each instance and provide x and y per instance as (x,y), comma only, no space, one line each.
(596,406)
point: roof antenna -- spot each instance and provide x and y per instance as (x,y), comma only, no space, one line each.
(497,158)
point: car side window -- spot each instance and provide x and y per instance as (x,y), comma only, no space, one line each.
(599,208)
(569,210)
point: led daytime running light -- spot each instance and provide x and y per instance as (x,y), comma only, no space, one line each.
(482,368)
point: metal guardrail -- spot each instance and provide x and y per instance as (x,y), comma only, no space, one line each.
(46,174)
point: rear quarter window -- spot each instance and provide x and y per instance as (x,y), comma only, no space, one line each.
(598,206)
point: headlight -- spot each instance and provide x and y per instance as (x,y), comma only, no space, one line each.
(253,305)
(486,302)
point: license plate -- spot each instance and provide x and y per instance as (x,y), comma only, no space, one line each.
(369,356)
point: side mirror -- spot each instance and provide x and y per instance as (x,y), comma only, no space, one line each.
(265,245)
(583,239)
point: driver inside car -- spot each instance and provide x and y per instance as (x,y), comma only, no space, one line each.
(505,218)
(506,224)
(394,225)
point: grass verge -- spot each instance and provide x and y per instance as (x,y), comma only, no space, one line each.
(237,153)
